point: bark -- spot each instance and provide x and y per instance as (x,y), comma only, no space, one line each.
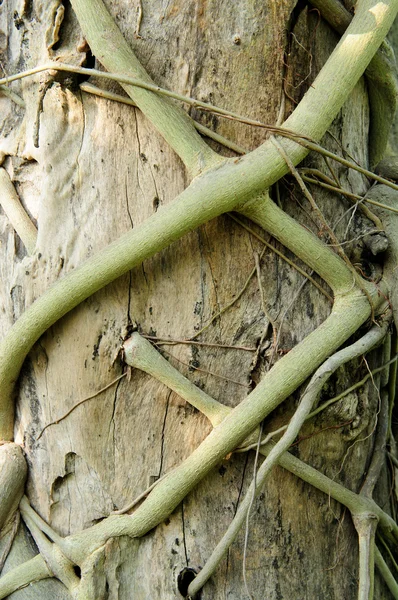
(88,170)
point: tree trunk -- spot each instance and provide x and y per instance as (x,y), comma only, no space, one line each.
(89,169)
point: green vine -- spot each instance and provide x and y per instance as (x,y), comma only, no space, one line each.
(218,186)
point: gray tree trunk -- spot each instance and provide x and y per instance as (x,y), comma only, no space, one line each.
(89,169)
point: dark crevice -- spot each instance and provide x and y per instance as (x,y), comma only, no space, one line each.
(241,483)
(183,533)
(112,419)
(77,571)
(202,277)
(89,63)
(129,321)
(144,274)
(127,204)
(295,14)
(184,579)
(162,436)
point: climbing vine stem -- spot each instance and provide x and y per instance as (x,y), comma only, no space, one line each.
(218,185)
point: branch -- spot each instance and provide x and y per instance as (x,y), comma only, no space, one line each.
(16,213)
(111,49)
(282,256)
(289,372)
(90,397)
(355,503)
(386,573)
(220,139)
(381,80)
(299,138)
(139,356)
(270,217)
(28,572)
(206,197)
(216,191)
(58,565)
(365,525)
(333,400)
(379,450)
(13,472)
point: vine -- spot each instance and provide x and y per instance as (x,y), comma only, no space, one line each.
(218,186)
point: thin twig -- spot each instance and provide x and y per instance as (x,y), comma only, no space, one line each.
(303,438)
(138,499)
(390,554)
(357,197)
(357,238)
(172,342)
(220,139)
(79,403)
(386,573)
(330,231)
(353,387)
(205,371)
(227,306)
(5,91)
(379,449)
(298,138)
(283,256)
(329,185)
(326,404)
(310,199)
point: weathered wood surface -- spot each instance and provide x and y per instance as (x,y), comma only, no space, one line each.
(100,169)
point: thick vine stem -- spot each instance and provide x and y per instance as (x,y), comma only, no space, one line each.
(248,177)
(13,472)
(270,217)
(140,354)
(366,343)
(35,569)
(56,562)
(205,198)
(108,44)
(220,139)
(379,449)
(357,505)
(282,380)
(16,213)
(366,525)
(28,572)
(381,79)
(217,191)
(386,573)
(111,49)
